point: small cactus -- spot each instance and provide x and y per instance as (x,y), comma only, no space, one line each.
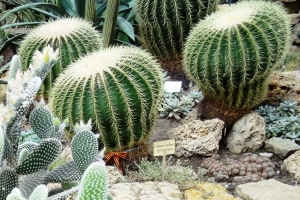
(119,94)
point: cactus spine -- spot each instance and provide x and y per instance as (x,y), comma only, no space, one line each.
(231,53)
(73,36)
(119,93)
(164,25)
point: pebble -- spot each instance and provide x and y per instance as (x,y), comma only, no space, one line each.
(266,154)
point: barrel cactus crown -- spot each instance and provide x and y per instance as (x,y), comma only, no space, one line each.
(231,53)
(73,36)
(164,25)
(118,88)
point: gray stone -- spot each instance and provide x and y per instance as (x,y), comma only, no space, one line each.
(268,190)
(281,147)
(197,137)
(247,134)
(145,191)
(295,18)
(292,165)
(283,86)
(114,175)
(190,116)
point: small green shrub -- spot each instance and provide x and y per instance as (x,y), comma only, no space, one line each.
(185,177)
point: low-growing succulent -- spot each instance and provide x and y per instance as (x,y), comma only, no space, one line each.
(177,104)
(282,121)
(24,166)
(248,168)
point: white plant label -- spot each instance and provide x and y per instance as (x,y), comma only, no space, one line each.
(165,147)
(172,86)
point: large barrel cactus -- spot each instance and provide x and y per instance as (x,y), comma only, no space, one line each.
(73,36)
(231,53)
(118,88)
(164,25)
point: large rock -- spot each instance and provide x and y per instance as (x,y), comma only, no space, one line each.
(292,165)
(268,190)
(281,147)
(283,86)
(145,191)
(207,191)
(197,137)
(247,134)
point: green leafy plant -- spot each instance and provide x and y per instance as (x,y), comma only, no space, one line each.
(120,94)
(164,25)
(155,170)
(26,165)
(231,53)
(283,121)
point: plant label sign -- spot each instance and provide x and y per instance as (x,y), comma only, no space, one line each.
(165,147)
(172,86)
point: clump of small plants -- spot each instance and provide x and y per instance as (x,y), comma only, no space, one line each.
(282,121)
(249,168)
(178,104)
(155,170)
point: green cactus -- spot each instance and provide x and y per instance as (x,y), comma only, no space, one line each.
(84,148)
(231,53)
(42,115)
(164,25)
(15,65)
(119,94)
(90,11)
(94,183)
(26,165)
(109,27)
(73,36)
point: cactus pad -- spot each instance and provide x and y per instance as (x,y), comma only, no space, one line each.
(41,157)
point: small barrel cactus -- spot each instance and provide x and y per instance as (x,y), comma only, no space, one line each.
(73,36)
(118,88)
(231,53)
(164,25)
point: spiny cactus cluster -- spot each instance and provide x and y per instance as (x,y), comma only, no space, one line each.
(231,53)
(73,36)
(164,25)
(282,121)
(118,88)
(26,165)
(249,168)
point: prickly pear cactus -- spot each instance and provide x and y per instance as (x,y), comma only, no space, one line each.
(94,183)
(164,25)
(231,53)
(120,94)
(73,36)
(26,165)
